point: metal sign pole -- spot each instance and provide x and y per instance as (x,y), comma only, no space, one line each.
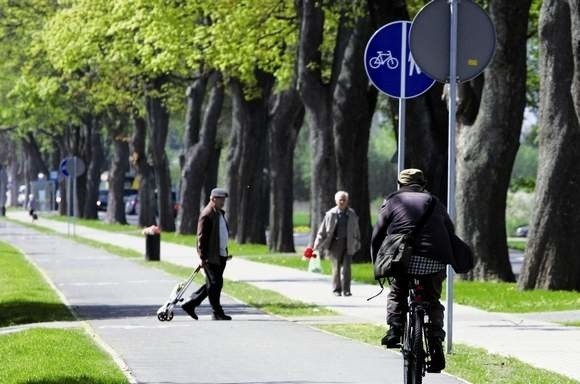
(75,200)
(453,9)
(68,204)
(402,101)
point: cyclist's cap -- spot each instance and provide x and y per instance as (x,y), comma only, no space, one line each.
(411,176)
(218,192)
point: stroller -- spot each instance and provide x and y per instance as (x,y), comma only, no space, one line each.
(165,312)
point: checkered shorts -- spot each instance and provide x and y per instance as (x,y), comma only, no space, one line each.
(419,265)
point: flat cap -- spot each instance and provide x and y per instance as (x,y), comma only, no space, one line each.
(411,176)
(219,192)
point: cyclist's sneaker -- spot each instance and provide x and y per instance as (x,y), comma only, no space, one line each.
(437,363)
(393,337)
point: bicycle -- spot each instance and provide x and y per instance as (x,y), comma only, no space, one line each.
(415,346)
(384,58)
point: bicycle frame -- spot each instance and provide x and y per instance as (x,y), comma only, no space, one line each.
(415,348)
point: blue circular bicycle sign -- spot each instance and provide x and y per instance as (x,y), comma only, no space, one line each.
(390,65)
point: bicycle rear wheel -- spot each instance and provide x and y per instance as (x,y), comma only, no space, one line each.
(415,354)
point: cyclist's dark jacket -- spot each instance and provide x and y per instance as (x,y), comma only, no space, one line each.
(400,213)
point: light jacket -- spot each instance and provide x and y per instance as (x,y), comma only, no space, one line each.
(326,230)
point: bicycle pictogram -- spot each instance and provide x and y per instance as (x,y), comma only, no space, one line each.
(384,58)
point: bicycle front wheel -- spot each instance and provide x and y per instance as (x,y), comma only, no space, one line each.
(415,356)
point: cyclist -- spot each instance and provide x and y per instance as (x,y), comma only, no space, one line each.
(399,213)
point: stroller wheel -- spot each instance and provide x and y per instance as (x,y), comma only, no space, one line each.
(169,316)
(161,316)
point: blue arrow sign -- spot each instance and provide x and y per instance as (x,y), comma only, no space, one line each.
(390,65)
(63,167)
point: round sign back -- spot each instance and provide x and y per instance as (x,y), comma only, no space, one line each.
(430,40)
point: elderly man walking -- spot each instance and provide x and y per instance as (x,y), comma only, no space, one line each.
(339,236)
(212,247)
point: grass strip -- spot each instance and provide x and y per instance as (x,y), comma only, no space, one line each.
(97,224)
(55,356)
(517,243)
(472,364)
(507,297)
(25,296)
(570,323)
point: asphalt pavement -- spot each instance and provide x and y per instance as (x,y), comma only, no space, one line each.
(118,298)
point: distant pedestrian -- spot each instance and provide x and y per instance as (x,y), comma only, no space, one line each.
(32,207)
(212,248)
(339,236)
(399,214)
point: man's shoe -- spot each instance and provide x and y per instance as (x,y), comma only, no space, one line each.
(348,294)
(189,308)
(220,316)
(337,293)
(437,363)
(393,337)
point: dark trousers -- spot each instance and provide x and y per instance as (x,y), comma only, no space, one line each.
(214,282)
(340,261)
(397,301)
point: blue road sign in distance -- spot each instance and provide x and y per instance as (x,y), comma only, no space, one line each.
(63,167)
(390,65)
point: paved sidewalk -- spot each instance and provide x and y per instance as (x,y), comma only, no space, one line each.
(539,343)
(118,299)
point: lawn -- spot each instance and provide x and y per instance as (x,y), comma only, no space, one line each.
(25,296)
(55,356)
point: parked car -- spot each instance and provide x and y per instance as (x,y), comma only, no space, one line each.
(103,197)
(522,231)
(132,204)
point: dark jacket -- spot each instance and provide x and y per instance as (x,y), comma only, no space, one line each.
(208,234)
(400,213)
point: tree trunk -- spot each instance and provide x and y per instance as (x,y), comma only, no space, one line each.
(93,169)
(211,174)
(551,257)
(82,151)
(197,159)
(34,162)
(353,107)
(247,175)
(194,95)
(158,123)
(317,98)
(234,162)
(119,166)
(286,118)
(144,171)
(487,149)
